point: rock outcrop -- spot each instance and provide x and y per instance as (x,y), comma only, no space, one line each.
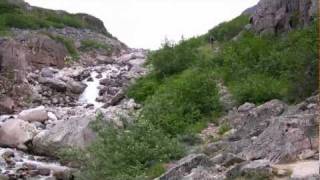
(275,16)
(261,138)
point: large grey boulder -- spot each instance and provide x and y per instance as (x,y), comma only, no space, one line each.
(69,133)
(74,130)
(76,87)
(38,114)
(16,133)
(54,83)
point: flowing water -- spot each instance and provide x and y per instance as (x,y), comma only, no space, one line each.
(91,93)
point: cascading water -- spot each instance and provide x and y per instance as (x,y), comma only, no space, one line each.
(91,93)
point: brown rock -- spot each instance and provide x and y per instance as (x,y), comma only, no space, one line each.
(45,51)
(7,105)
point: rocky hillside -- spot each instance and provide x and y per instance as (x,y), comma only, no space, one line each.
(29,46)
(240,102)
(56,70)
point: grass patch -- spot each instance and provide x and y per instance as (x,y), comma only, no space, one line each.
(14,16)
(223,128)
(89,44)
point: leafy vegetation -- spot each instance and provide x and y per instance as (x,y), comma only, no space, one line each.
(89,44)
(182,101)
(137,152)
(15,16)
(258,69)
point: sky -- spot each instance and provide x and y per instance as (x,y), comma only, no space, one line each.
(146,23)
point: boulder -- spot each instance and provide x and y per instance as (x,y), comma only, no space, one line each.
(258,169)
(7,105)
(227,159)
(54,83)
(65,135)
(185,165)
(76,87)
(16,133)
(38,114)
(48,72)
(246,107)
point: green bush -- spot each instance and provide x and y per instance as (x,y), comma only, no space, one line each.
(182,101)
(87,45)
(172,59)
(143,88)
(17,17)
(227,30)
(133,153)
(286,66)
(259,88)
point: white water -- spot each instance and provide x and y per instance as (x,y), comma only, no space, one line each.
(91,93)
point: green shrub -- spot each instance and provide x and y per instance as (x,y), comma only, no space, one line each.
(65,20)
(172,59)
(258,69)
(87,45)
(182,101)
(133,153)
(5,7)
(259,88)
(143,88)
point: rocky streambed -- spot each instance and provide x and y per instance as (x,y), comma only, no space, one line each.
(64,103)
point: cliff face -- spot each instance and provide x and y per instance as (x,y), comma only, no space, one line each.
(273,16)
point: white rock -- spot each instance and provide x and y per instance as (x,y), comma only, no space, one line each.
(37,114)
